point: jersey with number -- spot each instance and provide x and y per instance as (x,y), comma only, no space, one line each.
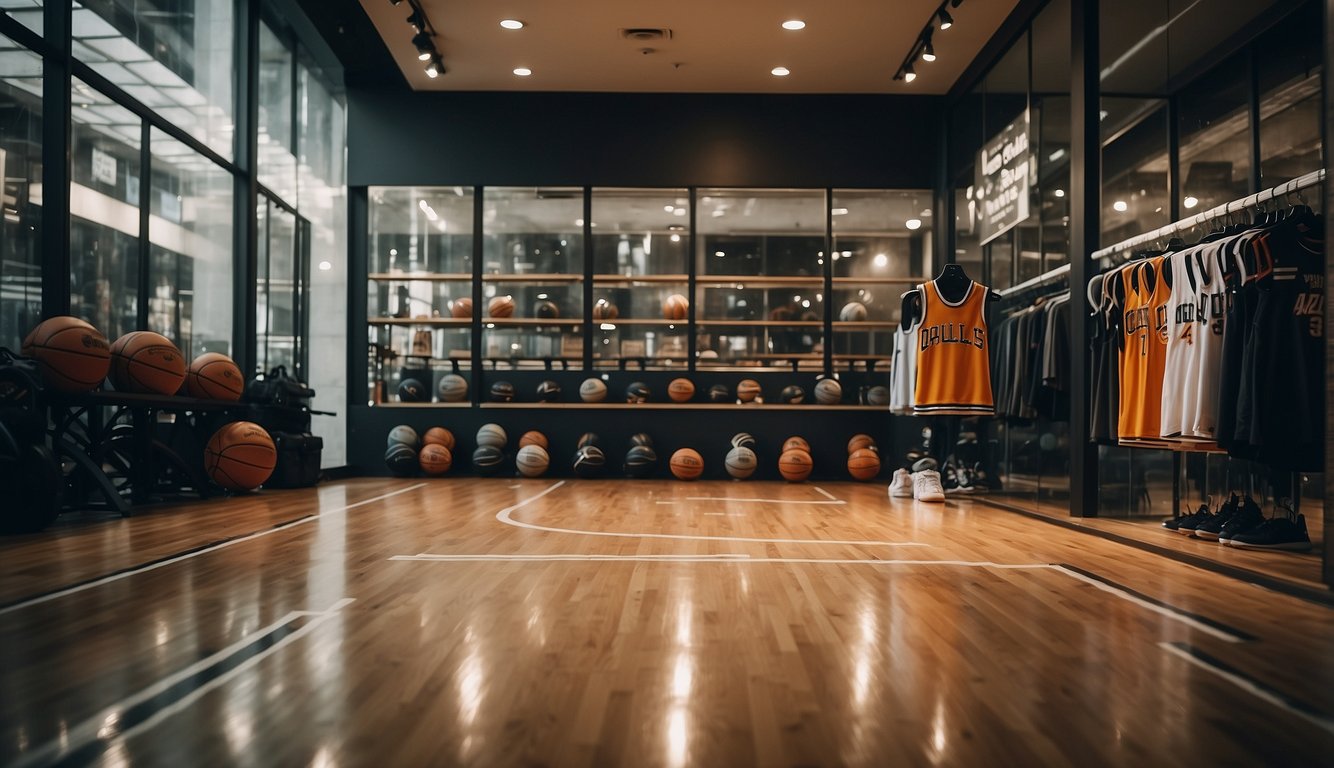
(903,370)
(1144,329)
(953,354)
(1194,342)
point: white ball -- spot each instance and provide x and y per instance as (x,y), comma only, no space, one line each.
(532,460)
(741,462)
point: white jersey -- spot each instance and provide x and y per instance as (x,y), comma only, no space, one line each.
(1201,421)
(903,371)
(1191,341)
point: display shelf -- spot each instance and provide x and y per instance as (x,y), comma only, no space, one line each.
(464,404)
(434,322)
(535,277)
(526,322)
(856,325)
(761,323)
(687,406)
(639,321)
(629,279)
(880,280)
(756,281)
(430,277)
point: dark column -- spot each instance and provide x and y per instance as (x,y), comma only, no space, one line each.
(56,122)
(1329,279)
(245,349)
(358,267)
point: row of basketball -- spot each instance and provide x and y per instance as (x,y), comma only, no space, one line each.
(454,388)
(432,453)
(73,356)
(674,307)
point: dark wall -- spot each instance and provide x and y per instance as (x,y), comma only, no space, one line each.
(643,140)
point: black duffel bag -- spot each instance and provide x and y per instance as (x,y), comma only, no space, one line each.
(298,460)
(278,387)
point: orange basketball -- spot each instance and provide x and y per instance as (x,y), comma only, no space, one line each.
(461,308)
(795,465)
(240,456)
(687,464)
(435,459)
(675,307)
(864,464)
(681,390)
(795,443)
(533,437)
(214,376)
(71,354)
(143,361)
(860,441)
(501,306)
(439,436)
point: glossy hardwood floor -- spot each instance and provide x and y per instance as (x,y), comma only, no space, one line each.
(503,622)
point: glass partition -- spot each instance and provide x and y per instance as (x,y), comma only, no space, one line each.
(21,174)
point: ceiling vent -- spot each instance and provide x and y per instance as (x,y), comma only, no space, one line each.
(646,34)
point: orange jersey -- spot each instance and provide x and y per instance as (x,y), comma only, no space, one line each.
(953,355)
(1144,357)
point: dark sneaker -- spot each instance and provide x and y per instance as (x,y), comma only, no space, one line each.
(925,463)
(955,480)
(1248,518)
(1281,533)
(1210,528)
(1186,524)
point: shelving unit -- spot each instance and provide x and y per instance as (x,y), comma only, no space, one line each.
(430,277)
(424,322)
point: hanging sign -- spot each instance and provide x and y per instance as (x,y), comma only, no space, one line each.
(1003,180)
(104,167)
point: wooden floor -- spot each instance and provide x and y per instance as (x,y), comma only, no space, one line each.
(536,622)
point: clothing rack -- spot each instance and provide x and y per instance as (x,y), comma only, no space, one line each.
(1312,179)
(1045,277)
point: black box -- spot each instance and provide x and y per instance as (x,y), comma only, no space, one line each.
(298,460)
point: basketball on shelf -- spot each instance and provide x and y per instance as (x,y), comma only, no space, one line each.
(852,312)
(586,439)
(435,459)
(877,395)
(859,441)
(401,460)
(453,388)
(605,310)
(500,306)
(680,390)
(71,354)
(795,466)
(675,307)
(641,438)
(404,435)
(460,308)
(487,459)
(797,443)
(214,376)
(146,362)
(747,390)
(592,391)
(502,392)
(492,435)
(640,461)
(719,393)
(439,436)
(686,464)
(792,394)
(533,437)
(241,456)
(828,392)
(743,440)
(741,462)
(412,391)
(637,392)
(864,464)
(548,391)
(589,461)
(546,310)
(532,460)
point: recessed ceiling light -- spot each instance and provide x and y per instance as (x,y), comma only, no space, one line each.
(511,24)
(780,72)
(669,208)
(1120,206)
(1190,201)
(676,238)
(913,223)
(523,71)
(1059,192)
(794,24)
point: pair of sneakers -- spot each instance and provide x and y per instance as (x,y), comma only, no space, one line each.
(922,484)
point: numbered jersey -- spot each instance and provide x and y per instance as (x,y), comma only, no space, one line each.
(953,354)
(1196,313)
(1144,351)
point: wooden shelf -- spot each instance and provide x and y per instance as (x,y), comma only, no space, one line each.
(464,404)
(688,406)
(625,279)
(641,321)
(432,277)
(424,322)
(525,322)
(855,325)
(880,280)
(762,323)
(544,277)
(757,281)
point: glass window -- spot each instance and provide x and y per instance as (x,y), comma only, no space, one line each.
(759,259)
(1051,122)
(279,306)
(1215,136)
(190,229)
(21,173)
(277,164)
(640,257)
(175,58)
(1135,168)
(1290,72)
(26,12)
(104,212)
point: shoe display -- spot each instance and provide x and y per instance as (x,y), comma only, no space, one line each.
(1209,529)
(926,486)
(1247,518)
(902,486)
(1282,533)
(1187,525)
(955,480)
(924,464)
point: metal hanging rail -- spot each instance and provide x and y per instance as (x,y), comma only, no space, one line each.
(1050,274)
(1302,182)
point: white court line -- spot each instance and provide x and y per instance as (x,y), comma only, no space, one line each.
(835,502)
(196,553)
(87,731)
(506,516)
(1158,609)
(1250,687)
(826,494)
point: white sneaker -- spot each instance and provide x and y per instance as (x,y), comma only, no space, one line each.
(901,487)
(926,486)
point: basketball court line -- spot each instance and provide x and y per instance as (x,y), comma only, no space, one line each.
(192,553)
(830,499)
(506,517)
(209,672)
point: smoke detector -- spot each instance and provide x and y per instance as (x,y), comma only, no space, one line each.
(646,34)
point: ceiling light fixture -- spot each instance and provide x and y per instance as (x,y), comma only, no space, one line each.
(425,48)
(924,48)
(435,68)
(908,74)
(1120,206)
(928,50)
(523,71)
(1191,201)
(511,24)
(794,24)
(417,20)
(913,223)
(946,20)
(780,72)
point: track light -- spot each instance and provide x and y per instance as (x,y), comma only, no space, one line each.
(417,20)
(435,68)
(395,2)
(946,20)
(908,74)
(425,50)
(928,50)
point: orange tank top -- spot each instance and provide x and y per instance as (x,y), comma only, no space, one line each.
(1144,357)
(953,354)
